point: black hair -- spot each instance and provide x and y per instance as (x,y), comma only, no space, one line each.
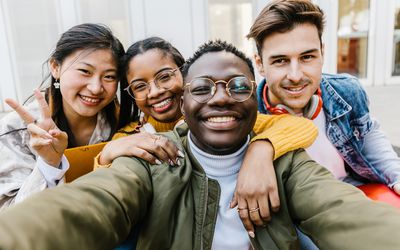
(85,36)
(216,46)
(129,111)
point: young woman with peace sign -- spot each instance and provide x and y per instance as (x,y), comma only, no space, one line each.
(78,108)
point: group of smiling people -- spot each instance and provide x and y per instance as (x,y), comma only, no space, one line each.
(221,175)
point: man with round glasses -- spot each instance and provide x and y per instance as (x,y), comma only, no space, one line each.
(185,207)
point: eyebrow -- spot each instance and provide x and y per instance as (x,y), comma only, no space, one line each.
(302,53)
(212,78)
(90,65)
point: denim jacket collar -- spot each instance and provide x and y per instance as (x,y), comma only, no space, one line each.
(334,105)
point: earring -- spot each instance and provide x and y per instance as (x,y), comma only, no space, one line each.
(56,84)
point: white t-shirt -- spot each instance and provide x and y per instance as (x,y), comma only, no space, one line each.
(324,152)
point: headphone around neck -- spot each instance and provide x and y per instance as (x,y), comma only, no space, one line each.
(311,110)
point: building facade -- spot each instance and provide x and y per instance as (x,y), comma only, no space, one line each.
(362,37)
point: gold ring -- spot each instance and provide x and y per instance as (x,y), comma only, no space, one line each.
(252,210)
(156,139)
(238,209)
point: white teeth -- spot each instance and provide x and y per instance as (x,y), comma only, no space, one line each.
(295,89)
(163,103)
(221,119)
(88,99)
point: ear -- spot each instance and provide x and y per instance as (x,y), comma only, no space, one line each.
(182,106)
(54,68)
(323,52)
(259,65)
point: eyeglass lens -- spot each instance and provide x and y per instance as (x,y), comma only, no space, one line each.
(239,88)
(163,80)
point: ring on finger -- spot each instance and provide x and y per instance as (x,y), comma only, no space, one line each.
(156,139)
(238,209)
(252,210)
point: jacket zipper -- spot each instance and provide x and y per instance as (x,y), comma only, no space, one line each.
(205,212)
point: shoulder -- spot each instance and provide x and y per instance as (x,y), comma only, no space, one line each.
(343,86)
(342,83)
(129,129)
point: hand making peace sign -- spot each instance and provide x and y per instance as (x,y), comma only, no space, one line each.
(46,138)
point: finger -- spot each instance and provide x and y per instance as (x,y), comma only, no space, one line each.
(244,216)
(36,131)
(234,201)
(155,147)
(145,155)
(265,212)
(254,212)
(44,107)
(396,188)
(58,134)
(274,200)
(22,112)
(39,142)
(169,148)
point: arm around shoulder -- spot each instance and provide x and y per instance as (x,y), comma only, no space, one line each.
(285,132)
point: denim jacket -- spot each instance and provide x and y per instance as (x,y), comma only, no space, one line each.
(356,136)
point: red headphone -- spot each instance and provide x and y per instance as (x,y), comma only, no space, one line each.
(311,111)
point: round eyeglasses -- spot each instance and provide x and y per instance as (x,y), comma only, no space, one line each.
(165,80)
(202,89)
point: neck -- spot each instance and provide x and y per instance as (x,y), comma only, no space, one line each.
(81,127)
(209,149)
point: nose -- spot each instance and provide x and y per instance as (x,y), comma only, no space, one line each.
(220,97)
(95,86)
(295,73)
(154,91)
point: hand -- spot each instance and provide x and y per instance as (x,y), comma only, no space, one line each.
(256,186)
(149,147)
(396,188)
(45,138)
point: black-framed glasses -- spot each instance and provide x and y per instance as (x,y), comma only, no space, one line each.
(202,89)
(139,90)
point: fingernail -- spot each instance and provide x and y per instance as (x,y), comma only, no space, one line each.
(251,234)
(180,154)
(178,162)
(170,162)
(158,162)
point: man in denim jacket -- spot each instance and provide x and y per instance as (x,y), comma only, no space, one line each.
(290,58)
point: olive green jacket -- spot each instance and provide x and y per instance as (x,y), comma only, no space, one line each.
(177,209)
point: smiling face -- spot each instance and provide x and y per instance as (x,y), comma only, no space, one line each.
(161,104)
(221,125)
(292,65)
(88,82)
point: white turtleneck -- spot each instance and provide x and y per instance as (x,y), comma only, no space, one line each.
(229,231)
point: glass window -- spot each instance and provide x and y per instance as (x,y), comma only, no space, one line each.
(230,21)
(396,41)
(33,35)
(112,13)
(353,37)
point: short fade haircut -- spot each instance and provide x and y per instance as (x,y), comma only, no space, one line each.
(283,16)
(216,46)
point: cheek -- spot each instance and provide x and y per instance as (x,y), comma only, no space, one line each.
(111,88)
(141,104)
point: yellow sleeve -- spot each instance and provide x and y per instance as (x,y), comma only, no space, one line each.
(129,129)
(125,131)
(285,132)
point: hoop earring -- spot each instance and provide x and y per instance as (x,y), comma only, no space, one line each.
(56,84)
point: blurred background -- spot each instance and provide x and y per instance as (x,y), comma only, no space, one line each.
(362,37)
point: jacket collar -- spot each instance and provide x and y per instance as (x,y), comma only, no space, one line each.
(334,105)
